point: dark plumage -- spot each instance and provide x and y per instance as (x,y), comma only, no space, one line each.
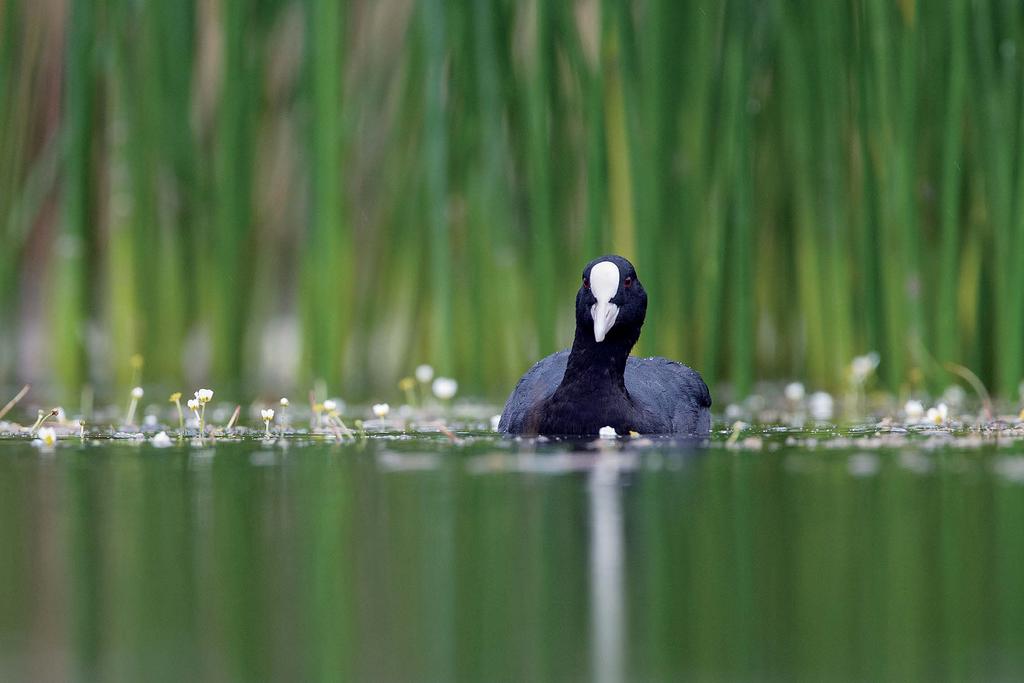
(596,383)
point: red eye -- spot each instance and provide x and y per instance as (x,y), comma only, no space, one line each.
(586,283)
(628,282)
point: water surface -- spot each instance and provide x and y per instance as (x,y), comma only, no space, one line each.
(421,559)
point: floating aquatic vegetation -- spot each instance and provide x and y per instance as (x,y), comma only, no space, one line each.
(47,436)
(161,440)
(775,412)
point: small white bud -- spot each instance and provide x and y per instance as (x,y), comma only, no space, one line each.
(821,405)
(424,373)
(137,393)
(445,388)
(863,366)
(914,411)
(381,410)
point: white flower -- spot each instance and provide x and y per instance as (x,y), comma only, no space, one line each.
(284,402)
(495,421)
(862,367)
(193,404)
(330,405)
(267,414)
(938,414)
(381,410)
(794,392)
(914,411)
(444,388)
(137,393)
(820,405)
(424,373)
(48,436)
(204,395)
(607,433)
(161,440)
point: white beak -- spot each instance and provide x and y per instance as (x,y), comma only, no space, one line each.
(604,313)
(604,283)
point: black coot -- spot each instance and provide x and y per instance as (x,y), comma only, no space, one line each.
(597,383)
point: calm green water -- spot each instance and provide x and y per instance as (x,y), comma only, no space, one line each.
(419,560)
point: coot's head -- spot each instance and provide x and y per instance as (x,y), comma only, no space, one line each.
(611,301)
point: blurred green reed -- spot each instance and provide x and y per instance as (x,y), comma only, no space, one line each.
(386,183)
(328,260)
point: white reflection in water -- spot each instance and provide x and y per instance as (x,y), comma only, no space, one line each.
(550,463)
(606,581)
(408,462)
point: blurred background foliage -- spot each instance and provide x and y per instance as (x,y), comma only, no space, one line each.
(257,193)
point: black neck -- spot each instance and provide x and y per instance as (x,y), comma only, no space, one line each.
(594,364)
